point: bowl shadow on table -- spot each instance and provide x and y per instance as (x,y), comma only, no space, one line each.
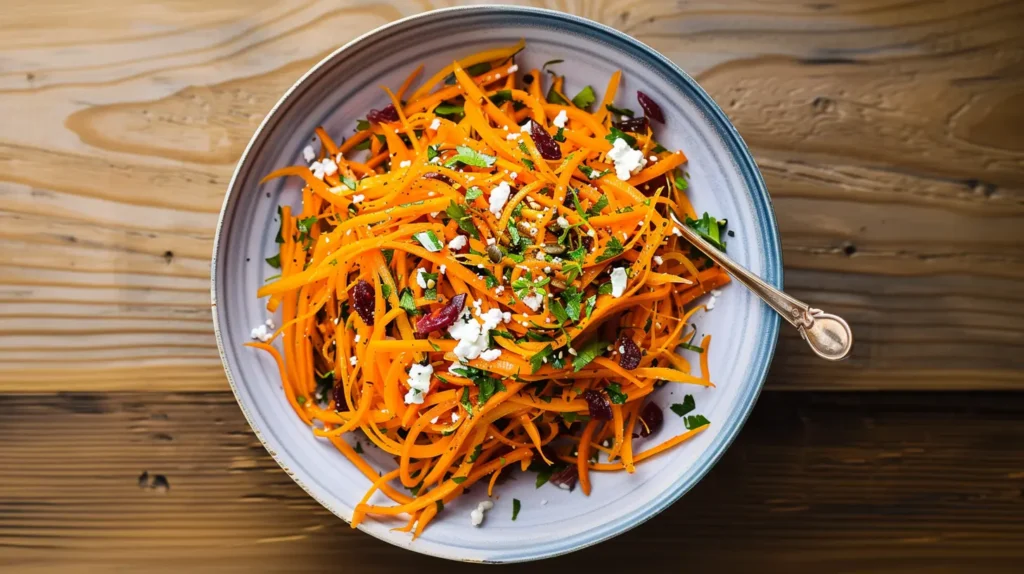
(822,482)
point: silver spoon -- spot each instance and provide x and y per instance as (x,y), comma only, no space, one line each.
(828,335)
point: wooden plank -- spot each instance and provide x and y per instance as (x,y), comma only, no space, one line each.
(888,132)
(827,482)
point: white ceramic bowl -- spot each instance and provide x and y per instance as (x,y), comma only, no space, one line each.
(724,181)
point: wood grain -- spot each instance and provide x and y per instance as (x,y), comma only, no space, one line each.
(889,133)
(834,482)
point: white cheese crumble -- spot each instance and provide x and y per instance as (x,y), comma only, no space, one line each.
(358,198)
(477,515)
(513,136)
(330,168)
(442,269)
(419,383)
(435,124)
(457,242)
(262,332)
(533,301)
(308,154)
(512,69)
(562,222)
(499,196)
(472,337)
(657,260)
(513,176)
(626,159)
(490,355)
(499,289)
(404,163)
(525,128)
(420,279)
(353,360)
(618,282)
(653,158)
(318,169)
(560,119)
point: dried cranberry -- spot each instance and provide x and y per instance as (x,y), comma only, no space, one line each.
(588,242)
(438,176)
(635,125)
(566,478)
(651,108)
(629,353)
(649,187)
(443,317)
(546,145)
(388,114)
(600,408)
(339,398)
(363,299)
(650,420)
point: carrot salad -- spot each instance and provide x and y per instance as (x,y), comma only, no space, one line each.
(489,274)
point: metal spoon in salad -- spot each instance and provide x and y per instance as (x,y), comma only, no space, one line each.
(828,335)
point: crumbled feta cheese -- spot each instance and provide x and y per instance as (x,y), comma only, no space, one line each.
(473,337)
(435,124)
(714,293)
(490,354)
(358,198)
(340,156)
(657,260)
(318,169)
(490,241)
(499,196)
(356,339)
(562,222)
(525,128)
(499,289)
(442,269)
(477,515)
(455,417)
(433,421)
(513,136)
(506,317)
(653,158)
(269,323)
(711,303)
(533,301)
(547,269)
(513,176)
(330,168)
(419,383)
(353,360)
(420,279)
(626,159)
(512,69)
(457,242)
(540,256)
(308,154)
(262,333)
(618,282)
(404,163)
(560,119)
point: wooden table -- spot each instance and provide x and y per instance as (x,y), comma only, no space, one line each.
(890,134)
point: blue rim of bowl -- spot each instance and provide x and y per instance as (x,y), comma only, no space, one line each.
(751,176)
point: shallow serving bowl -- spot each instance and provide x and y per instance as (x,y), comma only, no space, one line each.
(724,181)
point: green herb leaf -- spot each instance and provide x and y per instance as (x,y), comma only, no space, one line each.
(501,96)
(613,249)
(305,225)
(362,125)
(407,302)
(477,69)
(280,219)
(462,218)
(274,261)
(473,193)
(365,144)
(680,182)
(388,255)
(572,298)
(604,288)
(591,303)
(428,239)
(467,404)
(572,270)
(615,393)
(619,111)
(615,133)
(553,98)
(592,173)
(385,290)
(516,506)
(529,164)
(695,421)
(560,135)
(470,156)
(708,228)
(476,450)
(659,149)
(572,417)
(459,479)
(440,505)
(300,399)
(588,353)
(349,182)
(596,209)
(550,63)
(690,347)
(446,110)
(686,407)
(537,361)
(585,98)
(358,448)
(557,310)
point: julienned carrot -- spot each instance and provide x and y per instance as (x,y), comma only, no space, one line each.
(478,190)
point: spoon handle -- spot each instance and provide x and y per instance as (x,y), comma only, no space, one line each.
(828,335)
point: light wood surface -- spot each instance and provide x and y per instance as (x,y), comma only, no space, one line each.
(890,134)
(835,482)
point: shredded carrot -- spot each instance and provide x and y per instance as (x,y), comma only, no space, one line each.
(481,189)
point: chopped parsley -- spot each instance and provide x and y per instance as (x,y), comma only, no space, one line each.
(470,156)
(516,506)
(428,239)
(572,298)
(615,133)
(708,228)
(685,407)
(447,110)
(585,98)
(615,393)
(588,353)
(601,203)
(613,249)
(695,421)
(619,111)
(473,193)
(592,173)
(407,302)
(690,347)
(359,447)
(538,360)
(462,218)
(349,182)
(274,261)
(459,479)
